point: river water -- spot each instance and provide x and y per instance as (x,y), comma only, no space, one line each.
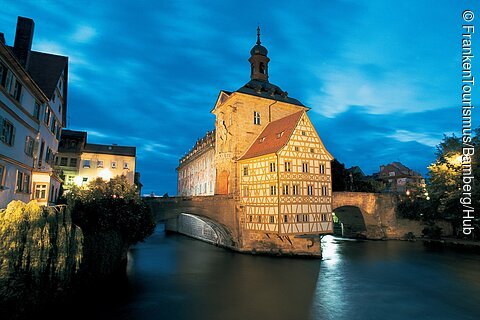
(176,277)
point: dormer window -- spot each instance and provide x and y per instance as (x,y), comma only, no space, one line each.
(256,117)
(280,134)
(261,139)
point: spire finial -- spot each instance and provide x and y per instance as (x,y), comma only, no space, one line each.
(258,35)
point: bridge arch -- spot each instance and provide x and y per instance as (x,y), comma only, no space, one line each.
(349,222)
(203,228)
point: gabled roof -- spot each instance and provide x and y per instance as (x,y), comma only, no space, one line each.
(273,137)
(46,69)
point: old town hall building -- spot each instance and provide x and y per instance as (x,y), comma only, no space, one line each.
(267,155)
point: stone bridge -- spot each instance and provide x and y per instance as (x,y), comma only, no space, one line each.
(215,218)
(365,215)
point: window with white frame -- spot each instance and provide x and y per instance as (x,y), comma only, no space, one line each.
(40,191)
(100,164)
(287,166)
(126,165)
(113,164)
(256,117)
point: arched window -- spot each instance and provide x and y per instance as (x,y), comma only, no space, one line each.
(262,68)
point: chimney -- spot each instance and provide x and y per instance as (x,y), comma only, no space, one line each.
(2,38)
(23,40)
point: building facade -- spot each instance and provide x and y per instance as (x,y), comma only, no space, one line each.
(398,178)
(33,104)
(79,162)
(196,172)
(266,155)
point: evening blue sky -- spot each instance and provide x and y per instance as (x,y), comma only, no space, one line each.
(382,78)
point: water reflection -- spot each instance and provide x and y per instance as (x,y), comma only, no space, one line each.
(175,277)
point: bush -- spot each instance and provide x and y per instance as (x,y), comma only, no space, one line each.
(432,231)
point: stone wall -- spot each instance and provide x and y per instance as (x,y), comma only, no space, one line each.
(404,226)
(273,244)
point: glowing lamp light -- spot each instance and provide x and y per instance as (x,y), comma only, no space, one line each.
(78,181)
(408,192)
(105,174)
(458,160)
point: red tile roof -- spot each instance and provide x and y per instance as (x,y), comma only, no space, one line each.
(273,137)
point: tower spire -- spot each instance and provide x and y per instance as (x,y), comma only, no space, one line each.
(259,60)
(258,35)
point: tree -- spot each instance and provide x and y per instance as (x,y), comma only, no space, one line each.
(113,205)
(445,185)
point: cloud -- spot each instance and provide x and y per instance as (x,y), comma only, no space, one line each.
(407,136)
(84,34)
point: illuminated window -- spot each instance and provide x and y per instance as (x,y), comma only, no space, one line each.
(322,169)
(86,163)
(391,174)
(324,217)
(285,189)
(256,117)
(287,166)
(100,164)
(126,166)
(113,164)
